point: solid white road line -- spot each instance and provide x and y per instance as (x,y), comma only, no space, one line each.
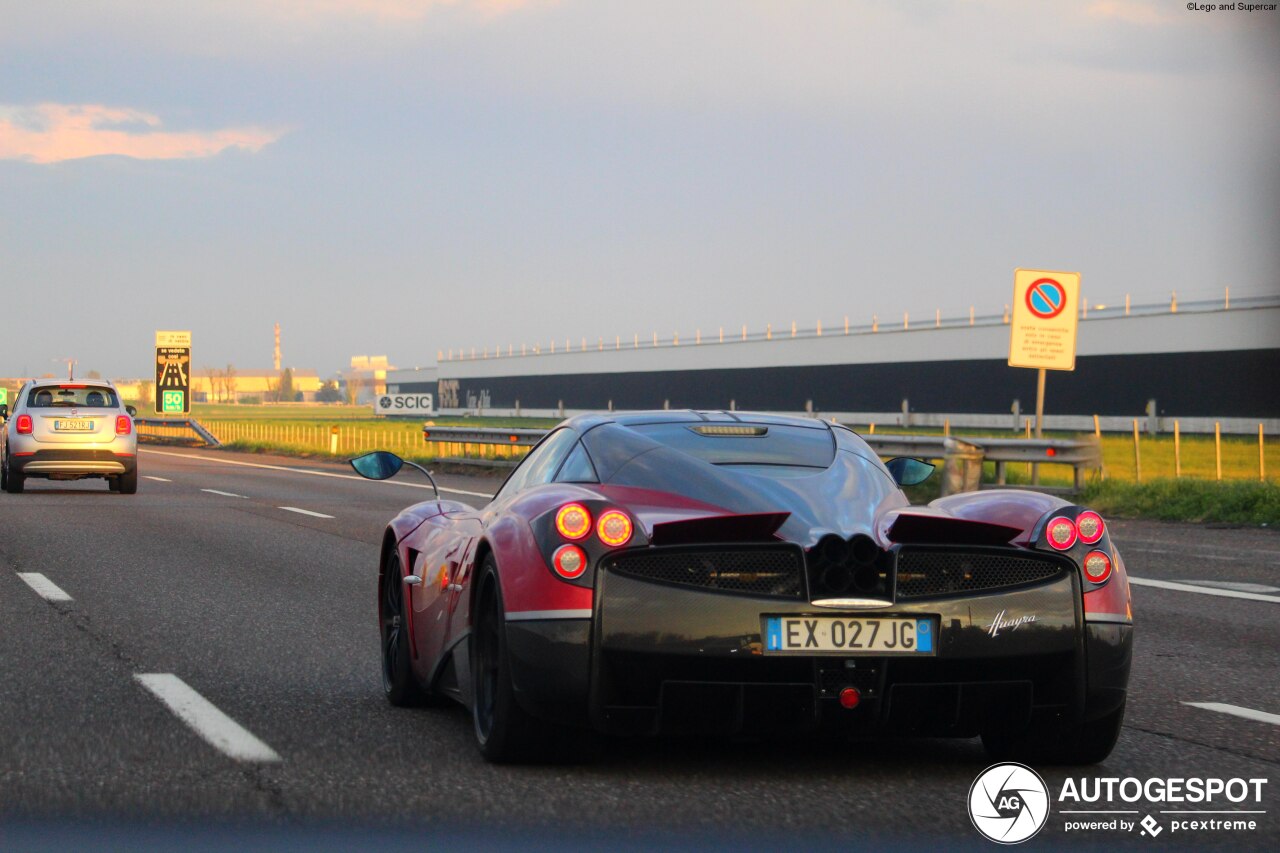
(313,473)
(1237,711)
(1202,590)
(157,479)
(45,588)
(224,494)
(1238,586)
(219,731)
(304,511)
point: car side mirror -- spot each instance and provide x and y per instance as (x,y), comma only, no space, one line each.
(378,465)
(909,472)
(133,413)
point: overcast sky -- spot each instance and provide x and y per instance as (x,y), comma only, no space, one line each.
(402,176)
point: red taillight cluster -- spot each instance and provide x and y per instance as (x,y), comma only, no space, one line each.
(573,522)
(1097,567)
(1090,527)
(23,424)
(1061,533)
(124,424)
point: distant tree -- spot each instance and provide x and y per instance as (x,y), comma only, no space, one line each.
(354,386)
(284,387)
(93,374)
(329,392)
(229,382)
(144,392)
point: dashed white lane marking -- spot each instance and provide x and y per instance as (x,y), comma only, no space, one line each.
(218,730)
(157,479)
(301,511)
(1238,586)
(313,473)
(45,588)
(1237,711)
(220,492)
(1202,590)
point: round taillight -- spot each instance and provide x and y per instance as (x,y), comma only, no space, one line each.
(614,528)
(569,561)
(124,424)
(1061,533)
(849,698)
(1097,567)
(23,424)
(1090,526)
(573,521)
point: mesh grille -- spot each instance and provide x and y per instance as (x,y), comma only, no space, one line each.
(771,572)
(922,574)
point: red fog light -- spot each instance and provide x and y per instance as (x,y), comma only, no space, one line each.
(569,561)
(23,424)
(573,521)
(849,698)
(1061,533)
(614,528)
(1090,526)
(1097,567)
(124,424)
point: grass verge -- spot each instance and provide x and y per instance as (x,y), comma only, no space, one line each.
(1227,502)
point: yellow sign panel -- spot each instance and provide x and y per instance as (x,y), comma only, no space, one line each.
(1046,311)
(173,339)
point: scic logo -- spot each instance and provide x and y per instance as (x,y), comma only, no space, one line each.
(1008,803)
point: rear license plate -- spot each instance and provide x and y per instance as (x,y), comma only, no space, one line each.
(848,635)
(73,426)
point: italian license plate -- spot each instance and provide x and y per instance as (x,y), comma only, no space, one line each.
(73,426)
(848,635)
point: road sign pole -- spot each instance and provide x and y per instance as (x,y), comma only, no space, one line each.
(1040,375)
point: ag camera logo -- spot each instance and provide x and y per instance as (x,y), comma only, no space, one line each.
(1008,803)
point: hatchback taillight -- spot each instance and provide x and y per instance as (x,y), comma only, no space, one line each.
(23,424)
(124,424)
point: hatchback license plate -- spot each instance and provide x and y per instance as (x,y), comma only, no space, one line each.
(73,426)
(848,635)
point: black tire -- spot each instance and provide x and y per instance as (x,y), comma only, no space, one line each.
(1087,743)
(128,483)
(505,732)
(113,483)
(13,483)
(398,682)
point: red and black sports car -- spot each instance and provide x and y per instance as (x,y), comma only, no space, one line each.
(723,572)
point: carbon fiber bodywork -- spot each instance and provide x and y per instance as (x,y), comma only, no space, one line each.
(663,658)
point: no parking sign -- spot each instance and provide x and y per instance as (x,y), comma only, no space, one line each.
(1045,311)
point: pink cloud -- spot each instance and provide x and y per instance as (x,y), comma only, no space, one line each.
(51,133)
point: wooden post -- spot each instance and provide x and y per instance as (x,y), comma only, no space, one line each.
(1177,450)
(1097,428)
(872,430)
(946,427)
(1097,435)
(1217,448)
(1137,454)
(1262,461)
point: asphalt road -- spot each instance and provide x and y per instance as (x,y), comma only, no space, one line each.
(210,574)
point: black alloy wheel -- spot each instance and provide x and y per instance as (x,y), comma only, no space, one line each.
(505,732)
(398,682)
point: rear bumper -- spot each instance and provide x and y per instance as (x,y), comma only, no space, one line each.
(662,659)
(80,461)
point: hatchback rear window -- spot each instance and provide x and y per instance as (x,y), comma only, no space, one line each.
(86,396)
(747,444)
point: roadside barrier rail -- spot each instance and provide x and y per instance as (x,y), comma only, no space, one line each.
(960,454)
(174,428)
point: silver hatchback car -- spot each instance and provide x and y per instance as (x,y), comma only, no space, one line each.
(68,430)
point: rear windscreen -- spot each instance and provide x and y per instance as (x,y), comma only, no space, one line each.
(747,444)
(86,396)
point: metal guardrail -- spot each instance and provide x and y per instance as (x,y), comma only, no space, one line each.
(188,423)
(1081,455)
